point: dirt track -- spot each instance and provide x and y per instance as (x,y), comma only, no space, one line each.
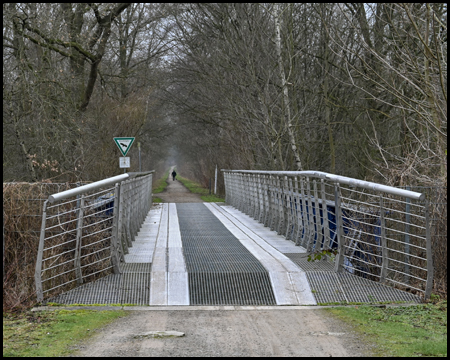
(305,332)
(176,192)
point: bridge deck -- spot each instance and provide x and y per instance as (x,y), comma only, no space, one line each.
(208,254)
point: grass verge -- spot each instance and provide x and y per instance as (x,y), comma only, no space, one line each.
(159,186)
(51,333)
(196,188)
(419,330)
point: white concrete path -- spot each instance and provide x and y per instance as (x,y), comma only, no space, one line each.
(169,280)
(144,243)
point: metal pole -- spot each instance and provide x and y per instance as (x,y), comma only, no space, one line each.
(339,229)
(408,221)
(139,147)
(38,271)
(77,257)
(430,269)
(215,182)
(115,244)
(384,250)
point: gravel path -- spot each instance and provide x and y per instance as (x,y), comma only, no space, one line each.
(304,332)
(176,192)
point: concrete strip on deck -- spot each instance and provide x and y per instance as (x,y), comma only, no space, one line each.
(158,278)
(169,280)
(144,243)
(177,281)
(289,282)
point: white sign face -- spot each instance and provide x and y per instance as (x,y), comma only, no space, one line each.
(124,144)
(124,162)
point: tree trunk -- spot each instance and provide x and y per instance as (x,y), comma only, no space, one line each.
(287,111)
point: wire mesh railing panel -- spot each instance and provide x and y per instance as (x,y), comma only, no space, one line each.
(81,247)
(377,232)
(85,231)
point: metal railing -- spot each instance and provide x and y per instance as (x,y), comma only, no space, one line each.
(376,231)
(86,231)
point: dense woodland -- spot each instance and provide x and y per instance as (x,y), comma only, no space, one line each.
(354,89)
(358,90)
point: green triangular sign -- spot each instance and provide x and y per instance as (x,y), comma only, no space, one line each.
(124,144)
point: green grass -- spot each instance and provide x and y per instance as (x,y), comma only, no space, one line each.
(419,330)
(51,333)
(160,184)
(196,188)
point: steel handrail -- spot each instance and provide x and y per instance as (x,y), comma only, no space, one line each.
(95,185)
(341,180)
(89,233)
(300,205)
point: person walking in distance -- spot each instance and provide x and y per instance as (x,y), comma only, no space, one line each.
(173,175)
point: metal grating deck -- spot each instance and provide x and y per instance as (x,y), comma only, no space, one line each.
(233,288)
(330,287)
(130,287)
(302,261)
(221,271)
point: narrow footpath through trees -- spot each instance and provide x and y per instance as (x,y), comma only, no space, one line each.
(176,192)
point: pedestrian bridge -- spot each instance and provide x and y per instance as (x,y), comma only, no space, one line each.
(106,243)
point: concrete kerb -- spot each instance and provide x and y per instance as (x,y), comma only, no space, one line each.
(209,308)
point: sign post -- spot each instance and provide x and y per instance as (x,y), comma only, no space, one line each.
(124,145)
(139,147)
(215,182)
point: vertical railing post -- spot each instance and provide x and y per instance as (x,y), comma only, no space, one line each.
(298,219)
(252,197)
(115,253)
(134,206)
(311,233)
(326,226)
(120,225)
(266,200)
(407,221)
(78,243)
(289,206)
(303,213)
(227,189)
(232,187)
(256,196)
(430,269)
(271,202)
(319,226)
(260,198)
(243,193)
(384,249)
(38,270)
(339,229)
(248,194)
(128,203)
(243,200)
(280,213)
